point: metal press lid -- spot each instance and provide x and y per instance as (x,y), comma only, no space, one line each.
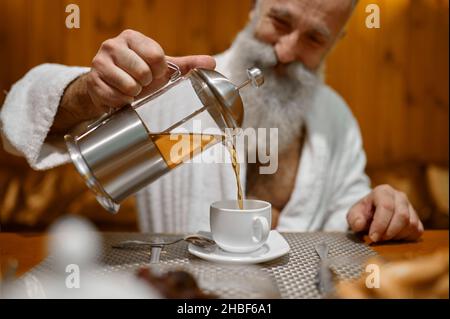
(226,93)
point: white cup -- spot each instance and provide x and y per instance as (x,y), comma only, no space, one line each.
(240,231)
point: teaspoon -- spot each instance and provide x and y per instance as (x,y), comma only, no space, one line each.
(194,239)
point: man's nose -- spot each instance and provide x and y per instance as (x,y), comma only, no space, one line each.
(288,48)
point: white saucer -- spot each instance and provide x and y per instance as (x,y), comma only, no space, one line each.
(275,247)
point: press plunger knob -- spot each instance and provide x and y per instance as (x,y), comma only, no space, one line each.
(256,76)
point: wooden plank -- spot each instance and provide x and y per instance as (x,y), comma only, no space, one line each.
(396,80)
(80,45)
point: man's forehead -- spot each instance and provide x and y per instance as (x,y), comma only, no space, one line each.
(335,12)
(326,6)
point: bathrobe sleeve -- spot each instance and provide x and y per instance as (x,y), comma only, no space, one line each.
(350,182)
(29,111)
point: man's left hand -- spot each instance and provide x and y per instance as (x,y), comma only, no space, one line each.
(386,214)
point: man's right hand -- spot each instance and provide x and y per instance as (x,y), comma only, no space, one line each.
(124,69)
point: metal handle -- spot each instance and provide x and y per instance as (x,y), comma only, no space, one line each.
(102,119)
(175,68)
(173,78)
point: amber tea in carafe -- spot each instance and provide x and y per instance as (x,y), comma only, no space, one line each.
(179,148)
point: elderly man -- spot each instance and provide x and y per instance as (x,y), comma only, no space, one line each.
(320,183)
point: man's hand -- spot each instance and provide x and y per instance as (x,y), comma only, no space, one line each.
(124,69)
(386,214)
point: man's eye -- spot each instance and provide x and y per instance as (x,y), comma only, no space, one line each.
(280,23)
(315,40)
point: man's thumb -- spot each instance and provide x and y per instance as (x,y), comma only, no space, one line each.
(187,63)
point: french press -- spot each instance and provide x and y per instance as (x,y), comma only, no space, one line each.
(123,152)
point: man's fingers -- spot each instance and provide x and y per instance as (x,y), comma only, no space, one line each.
(194,61)
(149,50)
(384,202)
(420,230)
(134,65)
(401,217)
(414,229)
(415,225)
(185,64)
(393,215)
(154,86)
(114,76)
(105,96)
(360,214)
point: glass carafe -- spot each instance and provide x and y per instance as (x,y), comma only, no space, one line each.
(123,152)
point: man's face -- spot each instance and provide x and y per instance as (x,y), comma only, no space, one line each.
(302,30)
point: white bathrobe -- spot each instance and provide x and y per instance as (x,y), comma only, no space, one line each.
(330,177)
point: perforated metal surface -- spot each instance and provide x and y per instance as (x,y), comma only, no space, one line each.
(291,276)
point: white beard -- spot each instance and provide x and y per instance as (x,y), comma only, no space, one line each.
(283,100)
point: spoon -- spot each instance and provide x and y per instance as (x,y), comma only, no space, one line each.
(195,239)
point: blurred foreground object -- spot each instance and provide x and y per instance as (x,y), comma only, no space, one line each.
(74,246)
(425,277)
(174,284)
(200,280)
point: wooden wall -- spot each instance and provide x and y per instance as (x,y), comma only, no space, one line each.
(395,78)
